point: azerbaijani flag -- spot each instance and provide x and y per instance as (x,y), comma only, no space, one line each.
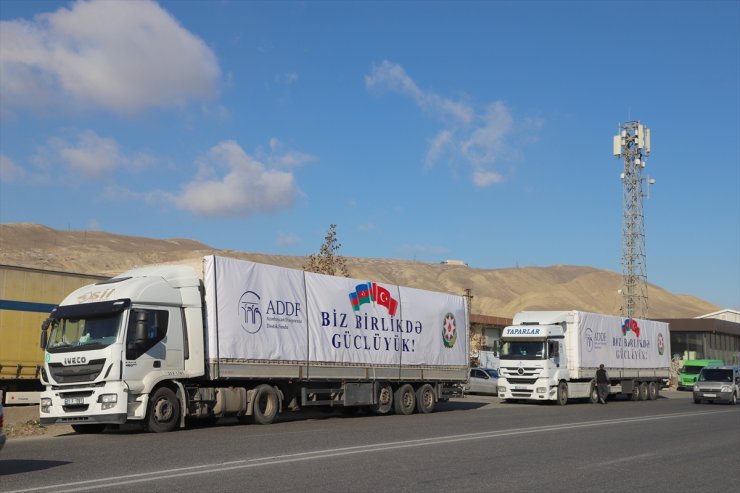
(361,295)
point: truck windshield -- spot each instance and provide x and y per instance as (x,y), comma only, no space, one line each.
(691,370)
(523,350)
(90,333)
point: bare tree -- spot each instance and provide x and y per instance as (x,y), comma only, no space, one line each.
(327,261)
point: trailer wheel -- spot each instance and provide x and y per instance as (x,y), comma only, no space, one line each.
(164,411)
(425,399)
(562,394)
(384,402)
(89,429)
(652,391)
(635,396)
(265,405)
(643,391)
(404,400)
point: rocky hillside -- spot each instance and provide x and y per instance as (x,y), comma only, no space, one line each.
(497,292)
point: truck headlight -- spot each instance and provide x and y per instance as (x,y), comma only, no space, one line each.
(726,388)
(45,404)
(696,388)
(501,390)
(108,401)
(541,390)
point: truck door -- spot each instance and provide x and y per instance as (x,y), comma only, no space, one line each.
(155,345)
(553,352)
(556,353)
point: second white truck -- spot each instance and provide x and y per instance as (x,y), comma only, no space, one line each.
(553,356)
(157,345)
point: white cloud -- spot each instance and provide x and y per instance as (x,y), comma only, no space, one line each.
(482,178)
(392,77)
(92,155)
(122,56)
(487,143)
(441,143)
(230,183)
(9,171)
(87,154)
(284,159)
(482,139)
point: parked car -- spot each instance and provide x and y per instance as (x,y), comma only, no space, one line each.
(2,433)
(718,384)
(482,381)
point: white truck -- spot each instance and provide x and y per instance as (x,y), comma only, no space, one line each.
(553,356)
(158,345)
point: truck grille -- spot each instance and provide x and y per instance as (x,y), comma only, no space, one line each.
(526,373)
(521,381)
(77,373)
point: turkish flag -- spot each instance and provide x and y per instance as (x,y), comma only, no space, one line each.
(383,297)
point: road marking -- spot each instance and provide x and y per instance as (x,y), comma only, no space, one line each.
(181,472)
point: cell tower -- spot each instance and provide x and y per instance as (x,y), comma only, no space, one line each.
(633,145)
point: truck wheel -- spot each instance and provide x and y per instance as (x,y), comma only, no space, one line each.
(562,394)
(643,391)
(89,429)
(733,399)
(425,399)
(593,394)
(265,405)
(164,411)
(697,401)
(652,392)
(404,400)
(384,399)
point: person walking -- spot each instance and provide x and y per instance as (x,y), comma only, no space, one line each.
(602,383)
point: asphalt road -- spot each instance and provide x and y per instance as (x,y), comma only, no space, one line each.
(474,444)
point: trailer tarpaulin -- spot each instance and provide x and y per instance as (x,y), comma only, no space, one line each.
(264,312)
(622,343)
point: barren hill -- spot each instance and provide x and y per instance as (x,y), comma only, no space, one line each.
(497,292)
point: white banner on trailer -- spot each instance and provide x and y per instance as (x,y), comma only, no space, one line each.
(264,312)
(617,343)
(260,311)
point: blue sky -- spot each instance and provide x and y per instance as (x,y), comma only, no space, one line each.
(426,131)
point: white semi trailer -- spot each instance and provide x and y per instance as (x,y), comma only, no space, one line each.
(158,345)
(553,356)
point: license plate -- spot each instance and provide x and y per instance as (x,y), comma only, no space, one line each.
(710,395)
(74,401)
(519,387)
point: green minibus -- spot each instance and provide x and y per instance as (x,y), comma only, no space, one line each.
(690,371)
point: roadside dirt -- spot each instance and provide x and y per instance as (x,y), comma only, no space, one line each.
(23,422)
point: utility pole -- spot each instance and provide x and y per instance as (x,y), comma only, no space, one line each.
(632,144)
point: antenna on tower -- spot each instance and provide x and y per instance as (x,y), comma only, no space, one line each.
(632,144)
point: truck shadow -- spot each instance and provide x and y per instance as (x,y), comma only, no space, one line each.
(18,466)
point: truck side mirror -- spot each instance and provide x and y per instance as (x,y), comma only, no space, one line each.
(44,336)
(142,318)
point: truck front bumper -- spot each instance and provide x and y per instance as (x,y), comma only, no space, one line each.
(85,405)
(540,390)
